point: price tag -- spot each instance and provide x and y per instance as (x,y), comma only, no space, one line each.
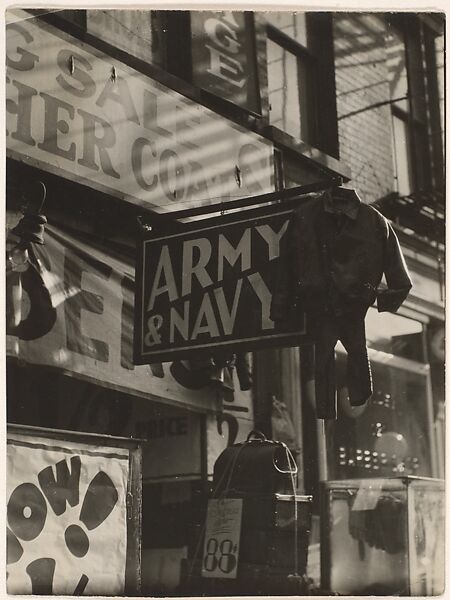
(223,531)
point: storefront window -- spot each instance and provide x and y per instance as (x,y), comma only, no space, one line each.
(390,434)
(395,334)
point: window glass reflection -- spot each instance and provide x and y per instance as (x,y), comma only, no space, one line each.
(395,334)
(291,24)
(129,30)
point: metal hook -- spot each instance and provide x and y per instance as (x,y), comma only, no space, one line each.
(113,74)
(237,175)
(71,65)
(144,226)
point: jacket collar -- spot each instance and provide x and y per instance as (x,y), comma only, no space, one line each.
(343,201)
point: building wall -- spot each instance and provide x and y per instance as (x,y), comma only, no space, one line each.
(361,81)
(440,64)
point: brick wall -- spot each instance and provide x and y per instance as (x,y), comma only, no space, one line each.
(361,80)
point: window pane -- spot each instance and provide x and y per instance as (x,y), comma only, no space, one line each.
(402,149)
(77,17)
(306,126)
(394,334)
(288,92)
(396,64)
(389,435)
(129,30)
(291,24)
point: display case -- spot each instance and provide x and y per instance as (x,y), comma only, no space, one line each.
(383,536)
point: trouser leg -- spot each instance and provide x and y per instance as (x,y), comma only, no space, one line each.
(352,333)
(325,339)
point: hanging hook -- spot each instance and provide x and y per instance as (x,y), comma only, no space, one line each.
(113,74)
(143,226)
(237,175)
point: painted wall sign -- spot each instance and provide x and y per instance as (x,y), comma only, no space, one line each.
(92,337)
(210,288)
(66,517)
(223,60)
(84,115)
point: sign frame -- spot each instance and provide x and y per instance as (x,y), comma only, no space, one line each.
(133,492)
(287,335)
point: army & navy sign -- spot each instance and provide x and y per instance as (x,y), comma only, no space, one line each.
(209,287)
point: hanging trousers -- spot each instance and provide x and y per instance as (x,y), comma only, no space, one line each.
(349,328)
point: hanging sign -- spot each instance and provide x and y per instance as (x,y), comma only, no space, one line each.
(66,517)
(222,538)
(223,60)
(84,115)
(210,288)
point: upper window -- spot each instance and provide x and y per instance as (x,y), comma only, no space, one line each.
(300,62)
(401,116)
(409,118)
(75,16)
(288,92)
(129,30)
(289,68)
(416,126)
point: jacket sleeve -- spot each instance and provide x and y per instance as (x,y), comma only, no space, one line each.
(396,273)
(283,293)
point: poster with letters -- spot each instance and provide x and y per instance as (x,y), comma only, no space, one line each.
(66,517)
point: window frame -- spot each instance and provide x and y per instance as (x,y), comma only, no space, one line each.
(320,59)
(305,56)
(415,118)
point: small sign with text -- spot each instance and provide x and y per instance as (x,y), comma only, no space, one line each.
(222,537)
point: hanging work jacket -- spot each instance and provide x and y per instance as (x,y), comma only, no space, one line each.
(334,254)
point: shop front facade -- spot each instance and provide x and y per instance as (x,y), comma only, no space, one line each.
(123,114)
